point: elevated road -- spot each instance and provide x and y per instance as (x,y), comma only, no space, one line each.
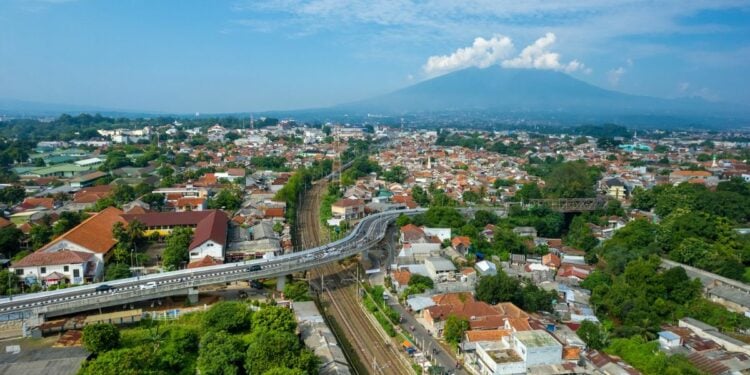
(35,307)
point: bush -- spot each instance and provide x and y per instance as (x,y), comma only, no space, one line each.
(99,338)
(232,317)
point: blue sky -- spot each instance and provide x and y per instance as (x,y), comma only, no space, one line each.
(227,56)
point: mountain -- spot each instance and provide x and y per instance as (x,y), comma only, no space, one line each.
(537,94)
(24,108)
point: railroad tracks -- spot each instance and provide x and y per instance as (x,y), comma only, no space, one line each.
(339,292)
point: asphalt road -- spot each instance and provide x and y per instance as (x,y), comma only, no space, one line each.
(426,342)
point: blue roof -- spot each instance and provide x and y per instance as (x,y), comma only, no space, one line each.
(669,335)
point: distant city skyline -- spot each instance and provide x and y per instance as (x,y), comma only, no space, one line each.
(238,56)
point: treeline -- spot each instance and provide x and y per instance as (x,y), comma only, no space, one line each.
(301,180)
(229,338)
(85,126)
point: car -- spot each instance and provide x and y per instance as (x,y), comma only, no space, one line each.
(104,288)
(148,285)
(254,267)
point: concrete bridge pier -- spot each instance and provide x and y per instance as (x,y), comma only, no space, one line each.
(192,295)
(280,283)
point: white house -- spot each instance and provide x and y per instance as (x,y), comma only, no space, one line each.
(537,347)
(75,256)
(210,237)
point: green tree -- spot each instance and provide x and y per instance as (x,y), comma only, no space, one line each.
(12,194)
(271,349)
(116,271)
(9,240)
(528,192)
(99,338)
(395,174)
(297,291)
(274,318)
(221,354)
(176,251)
(232,317)
(8,283)
(570,180)
(420,196)
(455,328)
(593,334)
(154,200)
(580,235)
(227,199)
(40,235)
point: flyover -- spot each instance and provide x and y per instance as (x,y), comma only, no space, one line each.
(35,307)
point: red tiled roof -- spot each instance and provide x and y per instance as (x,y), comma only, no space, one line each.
(94,233)
(486,335)
(402,276)
(155,219)
(47,203)
(204,262)
(190,201)
(412,232)
(274,212)
(5,222)
(213,228)
(551,260)
(461,240)
(42,258)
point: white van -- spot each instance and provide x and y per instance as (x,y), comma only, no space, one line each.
(148,285)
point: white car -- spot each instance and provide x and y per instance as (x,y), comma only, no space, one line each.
(148,285)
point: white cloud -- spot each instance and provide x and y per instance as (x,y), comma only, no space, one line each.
(538,56)
(614,75)
(482,53)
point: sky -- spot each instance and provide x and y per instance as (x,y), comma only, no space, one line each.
(186,56)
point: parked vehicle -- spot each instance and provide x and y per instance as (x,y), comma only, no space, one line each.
(148,285)
(254,267)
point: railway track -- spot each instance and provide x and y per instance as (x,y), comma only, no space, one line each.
(372,349)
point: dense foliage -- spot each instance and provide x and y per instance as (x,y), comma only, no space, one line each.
(226,339)
(524,294)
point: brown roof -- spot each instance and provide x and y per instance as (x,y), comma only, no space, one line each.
(461,240)
(204,262)
(691,173)
(453,298)
(274,212)
(402,276)
(190,201)
(486,335)
(551,260)
(156,219)
(136,210)
(412,232)
(213,227)
(47,203)
(42,258)
(5,222)
(94,233)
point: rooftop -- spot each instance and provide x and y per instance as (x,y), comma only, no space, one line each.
(536,339)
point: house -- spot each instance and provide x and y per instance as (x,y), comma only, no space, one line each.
(461,244)
(525,232)
(190,204)
(411,233)
(348,209)
(669,340)
(210,237)
(87,179)
(615,188)
(551,260)
(537,347)
(486,268)
(231,175)
(400,279)
(30,203)
(438,267)
(82,251)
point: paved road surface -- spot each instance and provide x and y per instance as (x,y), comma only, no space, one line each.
(420,334)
